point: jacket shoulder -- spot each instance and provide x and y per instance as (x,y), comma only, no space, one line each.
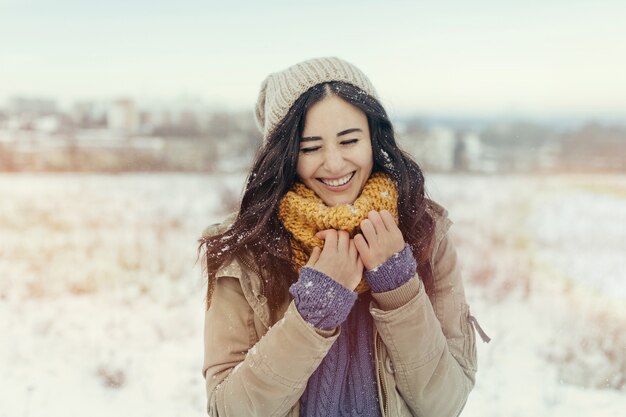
(217,228)
(440,216)
(232,266)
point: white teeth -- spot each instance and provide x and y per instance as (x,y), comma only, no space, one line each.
(340,181)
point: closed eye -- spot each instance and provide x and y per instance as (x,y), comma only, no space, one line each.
(349,141)
(310,149)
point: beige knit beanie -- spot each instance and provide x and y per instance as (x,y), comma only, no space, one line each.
(281,89)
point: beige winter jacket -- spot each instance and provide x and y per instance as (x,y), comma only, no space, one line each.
(258,364)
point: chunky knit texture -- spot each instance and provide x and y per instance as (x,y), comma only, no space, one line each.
(344,384)
(304,214)
(394,272)
(321,301)
(281,89)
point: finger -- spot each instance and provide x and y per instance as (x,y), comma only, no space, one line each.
(353,252)
(368,230)
(396,241)
(330,240)
(343,241)
(315,255)
(361,245)
(322,234)
(388,220)
(377,221)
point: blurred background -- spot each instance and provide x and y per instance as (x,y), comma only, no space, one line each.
(127,127)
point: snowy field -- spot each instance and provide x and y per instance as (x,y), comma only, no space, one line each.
(101,301)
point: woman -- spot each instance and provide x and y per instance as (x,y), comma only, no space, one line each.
(334,291)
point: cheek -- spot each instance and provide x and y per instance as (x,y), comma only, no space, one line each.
(367,159)
(302,169)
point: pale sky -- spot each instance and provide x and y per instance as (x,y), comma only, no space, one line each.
(475,57)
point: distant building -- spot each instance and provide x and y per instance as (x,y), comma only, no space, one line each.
(433,148)
(184,117)
(32,106)
(122,117)
(47,124)
(90,114)
(474,151)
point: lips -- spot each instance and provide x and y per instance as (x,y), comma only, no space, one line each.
(337,182)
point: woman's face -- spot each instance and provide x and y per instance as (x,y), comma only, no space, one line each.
(335,158)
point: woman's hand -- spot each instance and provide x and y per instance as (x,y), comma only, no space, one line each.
(381,238)
(339,259)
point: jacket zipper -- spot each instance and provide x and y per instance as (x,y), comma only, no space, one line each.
(381,376)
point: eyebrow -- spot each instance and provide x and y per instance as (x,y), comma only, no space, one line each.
(348,131)
(342,133)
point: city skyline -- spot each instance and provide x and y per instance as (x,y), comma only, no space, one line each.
(466,58)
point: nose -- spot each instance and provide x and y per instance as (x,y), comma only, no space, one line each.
(333,161)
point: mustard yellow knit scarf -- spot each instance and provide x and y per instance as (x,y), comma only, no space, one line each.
(303,214)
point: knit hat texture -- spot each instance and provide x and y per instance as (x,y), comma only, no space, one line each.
(281,89)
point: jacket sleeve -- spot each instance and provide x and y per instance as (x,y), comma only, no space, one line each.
(430,342)
(246,377)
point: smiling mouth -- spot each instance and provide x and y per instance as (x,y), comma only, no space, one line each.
(339,181)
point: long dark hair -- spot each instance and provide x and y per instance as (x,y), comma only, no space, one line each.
(258,238)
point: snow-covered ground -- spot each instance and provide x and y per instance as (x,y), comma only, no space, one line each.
(544,266)
(101,299)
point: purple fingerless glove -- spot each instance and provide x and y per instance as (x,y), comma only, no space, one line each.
(394,272)
(321,301)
